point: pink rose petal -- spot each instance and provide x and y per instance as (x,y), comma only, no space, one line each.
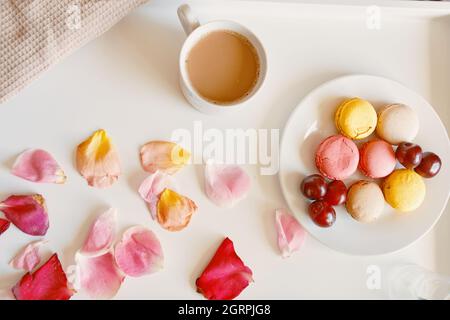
(139,252)
(151,188)
(98,273)
(49,282)
(99,276)
(4,225)
(226,184)
(291,235)
(28,258)
(38,166)
(27,212)
(101,234)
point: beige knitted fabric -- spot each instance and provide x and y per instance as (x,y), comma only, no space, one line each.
(34,34)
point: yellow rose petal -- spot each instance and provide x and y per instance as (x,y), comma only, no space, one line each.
(98,161)
(174,211)
(164,156)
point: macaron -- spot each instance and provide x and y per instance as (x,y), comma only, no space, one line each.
(356,118)
(404,190)
(397,123)
(337,157)
(376,159)
(365,201)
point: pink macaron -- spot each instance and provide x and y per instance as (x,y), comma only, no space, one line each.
(337,157)
(377,159)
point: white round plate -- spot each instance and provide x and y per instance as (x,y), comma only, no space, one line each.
(313,120)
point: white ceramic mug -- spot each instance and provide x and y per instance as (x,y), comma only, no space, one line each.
(195,32)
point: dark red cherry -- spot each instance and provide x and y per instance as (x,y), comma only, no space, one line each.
(429,166)
(336,193)
(322,213)
(409,154)
(314,187)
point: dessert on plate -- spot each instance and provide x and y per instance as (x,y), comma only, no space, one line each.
(356,118)
(376,159)
(404,190)
(337,157)
(365,201)
(397,123)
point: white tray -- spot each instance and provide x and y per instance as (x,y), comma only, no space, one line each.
(126,82)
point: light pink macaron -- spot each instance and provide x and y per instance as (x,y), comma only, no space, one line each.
(337,157)
(377,159)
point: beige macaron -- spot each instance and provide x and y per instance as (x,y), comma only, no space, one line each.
(397,123)
(365,201)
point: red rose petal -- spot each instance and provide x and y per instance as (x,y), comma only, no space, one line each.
(225,276)
(49,282)
(27,212)
(4,225)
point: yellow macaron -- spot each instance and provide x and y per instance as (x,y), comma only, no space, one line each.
(404,190)
(356,118)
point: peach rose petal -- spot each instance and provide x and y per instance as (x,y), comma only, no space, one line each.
(164,156)
(99,276)
(101,234)
(139,252)
(4,225)
(6,294)
(98,161)
(27,212)
(151,188)
(226,184)
(49,282)
(38,166)
(174,211)
(226,276)
(28,258)
(291,235)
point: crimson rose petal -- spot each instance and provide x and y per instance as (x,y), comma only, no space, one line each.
(225,276)
(27,212)
(4,225)
(49,282)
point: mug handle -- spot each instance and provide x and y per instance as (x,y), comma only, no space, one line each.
(187,19)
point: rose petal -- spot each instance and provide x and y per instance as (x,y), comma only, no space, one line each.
(6,294)
(4,225)
(174,211)
(291,235)
(139,252)
(28,258)
(152,187)
(99,276)
(165,156)
(101,234)
(226,184)
(98,161)
(38,166)
(225,276)
(27,212)
(49,282)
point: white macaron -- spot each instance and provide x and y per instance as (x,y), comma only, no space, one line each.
(397,123)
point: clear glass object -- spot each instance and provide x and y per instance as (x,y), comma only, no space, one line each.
(411,282)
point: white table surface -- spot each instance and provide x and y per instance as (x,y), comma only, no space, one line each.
(126,82)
